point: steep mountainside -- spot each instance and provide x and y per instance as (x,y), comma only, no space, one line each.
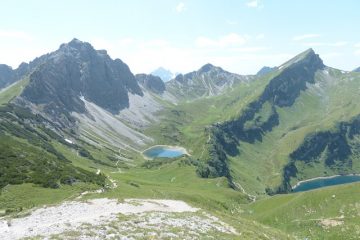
(70,101)
(6,75)
(9,75)
(356,69)
(301,98)
(206,82)
(151,83)
(76,70)
(83,89)
(258,134)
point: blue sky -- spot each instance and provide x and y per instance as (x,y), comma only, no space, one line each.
(240,36)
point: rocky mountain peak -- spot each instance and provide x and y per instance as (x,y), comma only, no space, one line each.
(76,69)
(311,57)
(206,68)
(295,74)
(151,82)
(76,44)
(307,58)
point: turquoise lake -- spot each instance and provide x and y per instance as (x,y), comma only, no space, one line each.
(164,151)
(326,182)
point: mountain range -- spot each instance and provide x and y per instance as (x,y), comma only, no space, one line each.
(76,116)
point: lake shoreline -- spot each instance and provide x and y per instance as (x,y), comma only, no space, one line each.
(177,148)
(317,178)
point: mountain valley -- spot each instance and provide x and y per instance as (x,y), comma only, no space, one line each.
(74,124)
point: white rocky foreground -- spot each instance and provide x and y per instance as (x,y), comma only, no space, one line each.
(109,219)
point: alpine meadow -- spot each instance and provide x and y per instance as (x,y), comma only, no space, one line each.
(179,120)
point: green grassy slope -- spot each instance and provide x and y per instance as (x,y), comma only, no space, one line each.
(259,165)
(330,100)
(177,180)
(185,123)
(328,213)
(28,156)
(17,198)
(12,91)
(173,180)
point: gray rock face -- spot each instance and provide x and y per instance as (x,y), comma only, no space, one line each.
(76,69)
(7,75)
(151,82)
(209,80)
(286,87)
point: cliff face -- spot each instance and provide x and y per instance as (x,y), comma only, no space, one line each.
(151,82)
(77,70)
(7,75)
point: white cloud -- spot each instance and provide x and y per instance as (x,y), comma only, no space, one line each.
(357,52)
(338,44)
(14,54)
(154,43)
(260,36)
(180,7)
(15,35)
(305,36)
(250,49)
(231,39)
(229,52)
(231,22)
(331,55)
(324,44)
(126,41)
(101,43)
(253,4)
(357,45)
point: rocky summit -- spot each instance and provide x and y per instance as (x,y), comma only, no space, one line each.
(76,70)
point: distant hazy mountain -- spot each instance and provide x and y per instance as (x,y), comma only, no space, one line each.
(164,74)
(264,70)
(356,69)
